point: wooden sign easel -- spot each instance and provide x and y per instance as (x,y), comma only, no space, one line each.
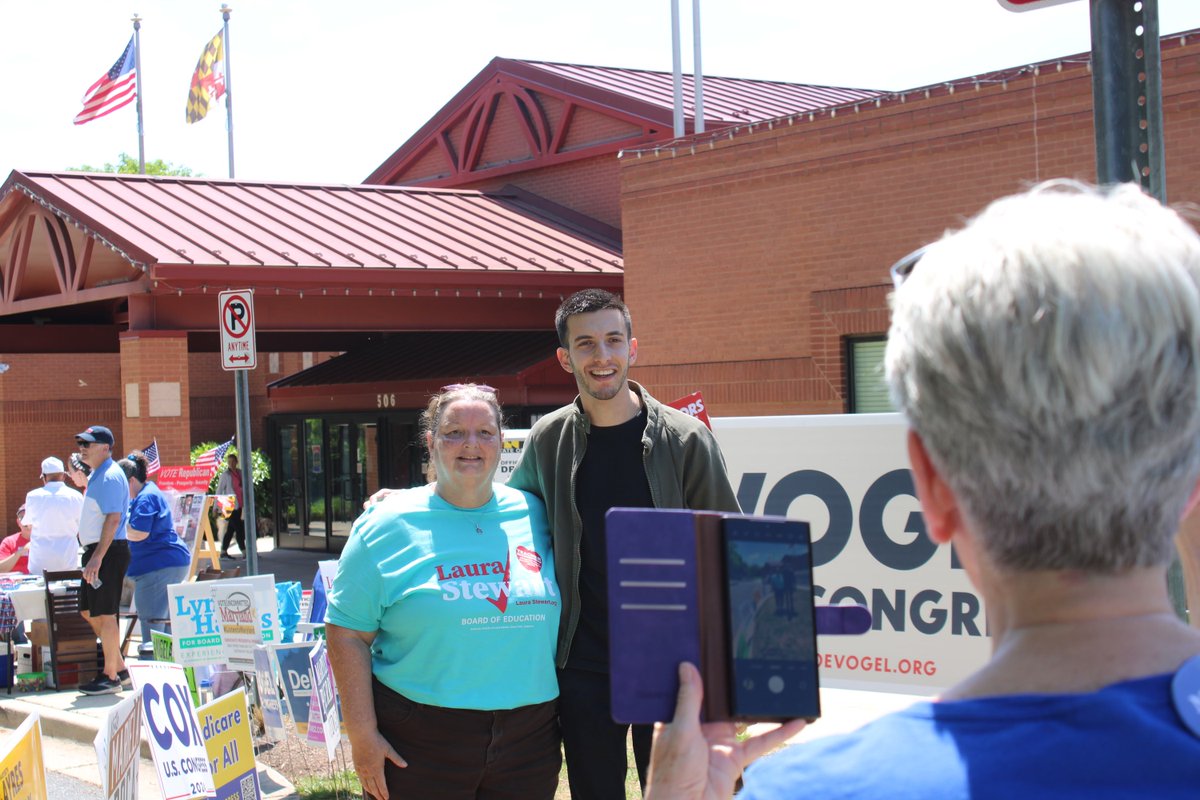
(204,547)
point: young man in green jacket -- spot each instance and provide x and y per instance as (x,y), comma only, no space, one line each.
(615,445)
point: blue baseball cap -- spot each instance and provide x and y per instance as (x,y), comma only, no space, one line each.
(96,433)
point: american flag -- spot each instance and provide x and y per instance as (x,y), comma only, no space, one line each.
(115,89)
(211,458)
(153,465)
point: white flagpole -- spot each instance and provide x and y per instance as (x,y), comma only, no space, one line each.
(698,74)
(228,86)
(137,65)
(676,69)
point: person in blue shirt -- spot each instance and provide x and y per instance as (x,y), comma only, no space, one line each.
(1047,361)
(158,557)
(105,553)
(442,625)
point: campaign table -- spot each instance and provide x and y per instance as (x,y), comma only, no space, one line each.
(21,597)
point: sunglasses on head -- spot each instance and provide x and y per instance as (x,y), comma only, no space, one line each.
(454,387)
(904,267)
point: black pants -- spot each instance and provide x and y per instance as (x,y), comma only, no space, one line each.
(594,744)
(234,525)
(459,754)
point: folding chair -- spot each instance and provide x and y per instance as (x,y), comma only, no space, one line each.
(72,640)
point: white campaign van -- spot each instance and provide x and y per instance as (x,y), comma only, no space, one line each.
(847,476)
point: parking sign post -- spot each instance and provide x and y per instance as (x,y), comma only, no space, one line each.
(239,354)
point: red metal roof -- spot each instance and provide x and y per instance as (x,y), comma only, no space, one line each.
(641,100)
(727,101)
(180,225)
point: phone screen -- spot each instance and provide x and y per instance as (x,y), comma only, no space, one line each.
(772,631)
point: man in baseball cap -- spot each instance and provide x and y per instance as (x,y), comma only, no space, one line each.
(105,552)
(96,434)
(52,510)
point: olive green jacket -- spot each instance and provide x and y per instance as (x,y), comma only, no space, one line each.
(684,469)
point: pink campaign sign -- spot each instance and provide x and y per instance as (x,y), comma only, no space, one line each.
(185,480)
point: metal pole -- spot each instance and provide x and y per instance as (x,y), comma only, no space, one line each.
(1127,94)
(677,68)
(229,98)
(137,66)
(246,459)
(1127,102)
(698,72)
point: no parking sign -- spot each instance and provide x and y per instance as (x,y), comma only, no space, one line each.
(238,350)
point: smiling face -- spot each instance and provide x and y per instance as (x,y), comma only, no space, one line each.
(599,353)
(465,449)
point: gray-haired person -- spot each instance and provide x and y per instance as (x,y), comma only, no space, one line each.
(1047,360)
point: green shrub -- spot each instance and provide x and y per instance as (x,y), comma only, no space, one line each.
(262,475)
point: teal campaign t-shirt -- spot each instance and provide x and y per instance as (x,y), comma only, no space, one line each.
(464,600)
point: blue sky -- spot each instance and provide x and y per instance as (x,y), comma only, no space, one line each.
(324,92)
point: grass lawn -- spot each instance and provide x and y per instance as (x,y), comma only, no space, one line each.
(633,789)
(345,784)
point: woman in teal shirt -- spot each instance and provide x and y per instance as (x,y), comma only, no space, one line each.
(442,625)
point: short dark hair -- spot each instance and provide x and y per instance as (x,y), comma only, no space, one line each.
(134,465)
(586,301)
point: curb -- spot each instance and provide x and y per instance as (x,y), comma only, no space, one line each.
(82,730)
(59,724)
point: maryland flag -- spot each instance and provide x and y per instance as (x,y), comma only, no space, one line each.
(208,81)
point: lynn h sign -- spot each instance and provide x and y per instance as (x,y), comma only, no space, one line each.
(237,330)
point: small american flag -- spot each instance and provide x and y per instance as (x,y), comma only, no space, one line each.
(211,458)
(114,89)
(152,463)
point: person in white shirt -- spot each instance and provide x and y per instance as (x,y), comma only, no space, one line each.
(53,511)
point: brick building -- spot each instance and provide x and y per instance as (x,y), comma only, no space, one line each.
(756,258)
(753,256)
(503,204)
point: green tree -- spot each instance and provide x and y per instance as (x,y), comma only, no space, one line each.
(262,475)
(128,165)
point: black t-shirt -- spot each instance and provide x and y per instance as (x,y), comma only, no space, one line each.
(612,474)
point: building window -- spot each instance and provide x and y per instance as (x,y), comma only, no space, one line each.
(868,392)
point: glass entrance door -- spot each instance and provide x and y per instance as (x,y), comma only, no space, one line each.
(316,499)
(354,474)
(328,466)
(342,474)
(289,480)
